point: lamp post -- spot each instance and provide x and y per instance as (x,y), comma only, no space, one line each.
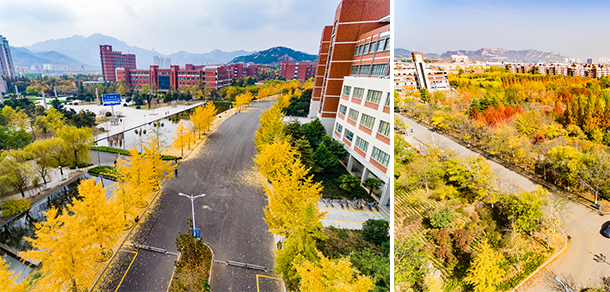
(192,198)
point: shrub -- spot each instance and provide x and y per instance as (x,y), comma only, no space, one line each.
(108,114)
(138,107)
(11,207)
(376,231)
(442,218)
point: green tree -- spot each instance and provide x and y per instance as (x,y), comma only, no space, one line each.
(442,217)
(348,182)
(324,159)
(376,231)
(526,208)
(16,171)
(77,140)
(372,184)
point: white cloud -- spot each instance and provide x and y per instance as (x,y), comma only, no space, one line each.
(170,26)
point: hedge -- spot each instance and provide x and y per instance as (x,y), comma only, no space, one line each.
(11,207)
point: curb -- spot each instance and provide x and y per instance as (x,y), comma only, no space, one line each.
(545,263)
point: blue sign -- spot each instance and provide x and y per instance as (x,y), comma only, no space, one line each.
(111,99)
(197,233)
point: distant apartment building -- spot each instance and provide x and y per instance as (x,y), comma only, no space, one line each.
(419,74)
(459,59)
(163,63)
(352,93)
(112,60)
(3,86)
(7,68)
(575,70)
(215,77)
(298,70)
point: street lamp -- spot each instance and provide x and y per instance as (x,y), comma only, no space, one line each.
(564,285)
(192,198)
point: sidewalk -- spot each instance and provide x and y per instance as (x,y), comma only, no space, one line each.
(132,117)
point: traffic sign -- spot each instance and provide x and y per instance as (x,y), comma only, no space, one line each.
(111,99)
(197,233)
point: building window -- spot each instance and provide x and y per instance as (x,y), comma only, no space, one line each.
(373,47)
(387,100)
(387,45)
(339,128)
(354,70)
(353,114)
(358,92)
(380,156)
(362,144)
(364,70)
(367,121)
(381,45)
(357,51)
(379,69)
(347,90)
(384,128)
(342,109)
(373,96)
(366,49)
(349,135)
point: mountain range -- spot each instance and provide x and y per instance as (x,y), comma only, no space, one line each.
(491,55)
(79,50)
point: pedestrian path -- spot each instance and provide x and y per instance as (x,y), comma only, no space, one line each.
(345,218)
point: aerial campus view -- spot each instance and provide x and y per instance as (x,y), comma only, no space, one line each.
(502,164)
(254,167)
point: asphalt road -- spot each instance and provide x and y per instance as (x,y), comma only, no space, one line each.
(584,262)
(230,216)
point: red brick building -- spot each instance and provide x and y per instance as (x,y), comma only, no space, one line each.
(112,60)
(352,94)
(338,48)
(298,70)
(175,77)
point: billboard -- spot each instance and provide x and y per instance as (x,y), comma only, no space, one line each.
(111,99)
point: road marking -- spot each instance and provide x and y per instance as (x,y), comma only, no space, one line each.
(573,216)
(134,258)
(363,211)
(257,287)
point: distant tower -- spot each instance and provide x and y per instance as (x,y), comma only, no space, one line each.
(6,60)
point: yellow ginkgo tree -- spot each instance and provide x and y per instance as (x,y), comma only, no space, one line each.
(65,251)
(97,216)
(332,275)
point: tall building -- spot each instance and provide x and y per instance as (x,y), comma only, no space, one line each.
(353,91)
(6,60)
(298,70)
(112,60)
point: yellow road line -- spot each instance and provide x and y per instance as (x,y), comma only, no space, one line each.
(573,217)
(257,287)
(134,258)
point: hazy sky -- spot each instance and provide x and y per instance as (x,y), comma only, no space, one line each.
(577,29)
(169,26)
